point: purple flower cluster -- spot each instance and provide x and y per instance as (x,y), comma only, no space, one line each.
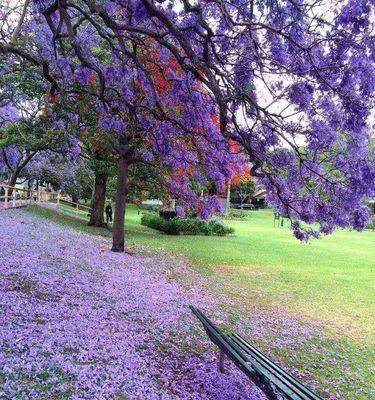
(8,114)
(182,82)
(80,322)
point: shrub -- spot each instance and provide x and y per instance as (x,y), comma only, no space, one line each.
(167,214)
(371,225)
(188,226)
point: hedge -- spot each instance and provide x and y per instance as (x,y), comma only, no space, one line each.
(187,226)
(371,225)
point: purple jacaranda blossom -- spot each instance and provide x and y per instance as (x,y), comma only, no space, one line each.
(8,114)
(80,322)
(278,76)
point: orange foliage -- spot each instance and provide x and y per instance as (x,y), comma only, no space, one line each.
(239,177)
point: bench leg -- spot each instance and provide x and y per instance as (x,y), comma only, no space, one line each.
(221,361)
(266,387)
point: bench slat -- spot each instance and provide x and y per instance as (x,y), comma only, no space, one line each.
(257,373)
(254,364)
(293,392)
(218,338)
(305,391)
(243,363)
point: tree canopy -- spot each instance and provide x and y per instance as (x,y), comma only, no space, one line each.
(292,82)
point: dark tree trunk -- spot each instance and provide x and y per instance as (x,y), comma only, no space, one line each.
(75,197)
(15,173)
(118,238)
(100,188)
(13,180)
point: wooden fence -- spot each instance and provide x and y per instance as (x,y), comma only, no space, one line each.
(75,206)
(13,197)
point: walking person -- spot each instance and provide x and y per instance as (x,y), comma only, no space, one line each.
(108,213)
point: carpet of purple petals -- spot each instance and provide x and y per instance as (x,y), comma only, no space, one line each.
(11,204)
(80,322)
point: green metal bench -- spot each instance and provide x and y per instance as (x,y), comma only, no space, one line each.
(274,381)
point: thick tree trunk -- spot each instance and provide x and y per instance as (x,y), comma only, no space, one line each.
(98,203)
(118,238)
(13,180)
(15,173)
(75,198)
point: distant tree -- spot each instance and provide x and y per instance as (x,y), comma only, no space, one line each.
(22,142)
(26,129)
(244,189)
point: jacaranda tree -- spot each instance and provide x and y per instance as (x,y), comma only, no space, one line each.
(28,135)
(291,81)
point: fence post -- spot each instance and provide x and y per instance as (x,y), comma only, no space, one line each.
(6,198)
(58,199)
(14,197)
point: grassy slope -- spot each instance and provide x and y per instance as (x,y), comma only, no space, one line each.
(329,280)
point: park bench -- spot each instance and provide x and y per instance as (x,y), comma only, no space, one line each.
(274,381)
(279,219)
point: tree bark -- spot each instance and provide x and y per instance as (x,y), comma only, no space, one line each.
(19,23)
(118,238)
(13,180)
(75,198)
(98,203)
(17,171)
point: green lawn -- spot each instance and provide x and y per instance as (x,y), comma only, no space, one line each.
(329,281)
